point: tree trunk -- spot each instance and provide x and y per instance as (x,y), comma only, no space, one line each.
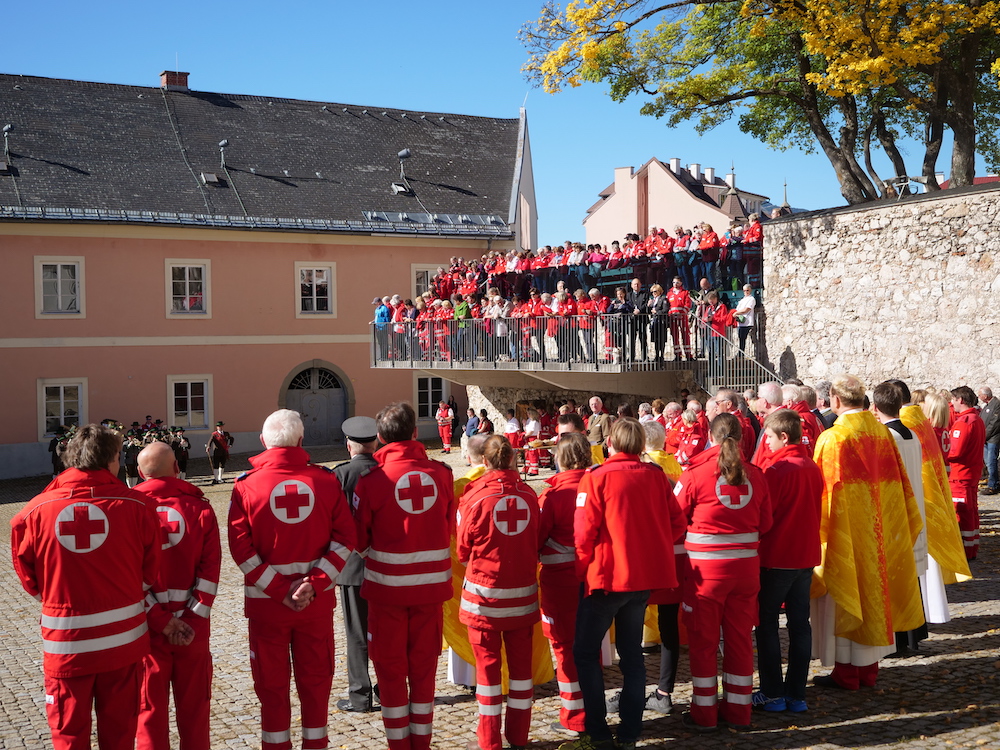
(962,112)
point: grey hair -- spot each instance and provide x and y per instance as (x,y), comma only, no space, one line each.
(282,429)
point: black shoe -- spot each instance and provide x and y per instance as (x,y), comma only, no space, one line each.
(344,704)
(689,723)
(827,681)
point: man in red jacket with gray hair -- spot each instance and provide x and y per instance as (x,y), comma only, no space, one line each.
(290,533)
(184,591)
(405,514)
(626,522)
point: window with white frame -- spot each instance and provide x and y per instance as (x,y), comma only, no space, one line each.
(189,400)
(188,282)
(59,287)
(62,403)
(430,391)
(315,289)
(423,276)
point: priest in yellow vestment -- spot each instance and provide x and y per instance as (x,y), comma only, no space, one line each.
(866,587)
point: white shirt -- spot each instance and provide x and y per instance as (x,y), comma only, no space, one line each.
(745,307)
(532,427)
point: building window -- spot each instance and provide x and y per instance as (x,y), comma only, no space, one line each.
(190,400)
(315,290)
(430,391)
(188,283)
(59,287)
(422,276)
(62,403)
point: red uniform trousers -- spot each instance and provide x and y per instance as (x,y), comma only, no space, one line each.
(310,642)
(404,644)
(486,647)
(444,430)
(729,603)
(70,700)
(559,606)
(189,670)
(680,331)
(533,458)
(966,496)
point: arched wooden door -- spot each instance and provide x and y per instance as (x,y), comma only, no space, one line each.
(319,397)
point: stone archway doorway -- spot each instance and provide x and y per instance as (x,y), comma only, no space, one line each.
(320,397)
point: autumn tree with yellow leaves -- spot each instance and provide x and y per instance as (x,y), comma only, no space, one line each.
(843,75)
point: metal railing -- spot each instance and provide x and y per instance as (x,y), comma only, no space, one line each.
(584,343)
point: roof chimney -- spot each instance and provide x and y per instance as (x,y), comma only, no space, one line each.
(173,80)
(710,175)
(695,170)
(675,166)
(731,179)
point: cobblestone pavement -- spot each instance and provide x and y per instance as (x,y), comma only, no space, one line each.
(946,697)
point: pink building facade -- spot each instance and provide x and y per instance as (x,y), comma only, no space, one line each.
(666,195)
(217,316)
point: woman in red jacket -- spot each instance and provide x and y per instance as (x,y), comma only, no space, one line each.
(727,506)
(709,247)
(499,521)
(559,585)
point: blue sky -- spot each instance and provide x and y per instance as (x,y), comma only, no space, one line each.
(438,55)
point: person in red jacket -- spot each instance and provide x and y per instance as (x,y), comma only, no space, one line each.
(185,589)
(560,588)
(692,440)
(405,518)
(965,462)
(727,505)
(679,300)
(811,428)
(788,553)
(290,533)
(626,521)
(445,419)
(88,548)
(498,542)
(728,402)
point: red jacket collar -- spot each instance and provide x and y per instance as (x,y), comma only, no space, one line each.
(72,478)
(565,479)
(621,458)
(790,451)
(282,456)
(709,454)
(402,450)
(171,487)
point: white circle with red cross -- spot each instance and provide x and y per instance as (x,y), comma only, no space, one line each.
(173,524)
(732,496)
(81,527)
(292,501)
(511,515)
(416,492)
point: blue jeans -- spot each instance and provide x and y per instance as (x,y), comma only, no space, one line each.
(990,451)
(779,585)
(626,609)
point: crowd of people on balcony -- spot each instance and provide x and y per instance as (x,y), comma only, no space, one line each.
(551,307)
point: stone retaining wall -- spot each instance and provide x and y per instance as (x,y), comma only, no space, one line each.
(908,289)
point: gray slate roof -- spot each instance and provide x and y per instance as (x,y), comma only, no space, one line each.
(80,145)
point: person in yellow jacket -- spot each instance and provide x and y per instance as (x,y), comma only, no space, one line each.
(656,438)
(865,589)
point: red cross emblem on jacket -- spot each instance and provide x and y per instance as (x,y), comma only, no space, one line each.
(173,525)
(292,501)
(416,492)
(81,527)
(511,515)
(733,496)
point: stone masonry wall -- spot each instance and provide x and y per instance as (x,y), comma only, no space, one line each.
(909,289)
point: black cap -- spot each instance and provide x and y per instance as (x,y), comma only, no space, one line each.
(360,429)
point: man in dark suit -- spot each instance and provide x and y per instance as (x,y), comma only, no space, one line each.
(360,433)
(639,321)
